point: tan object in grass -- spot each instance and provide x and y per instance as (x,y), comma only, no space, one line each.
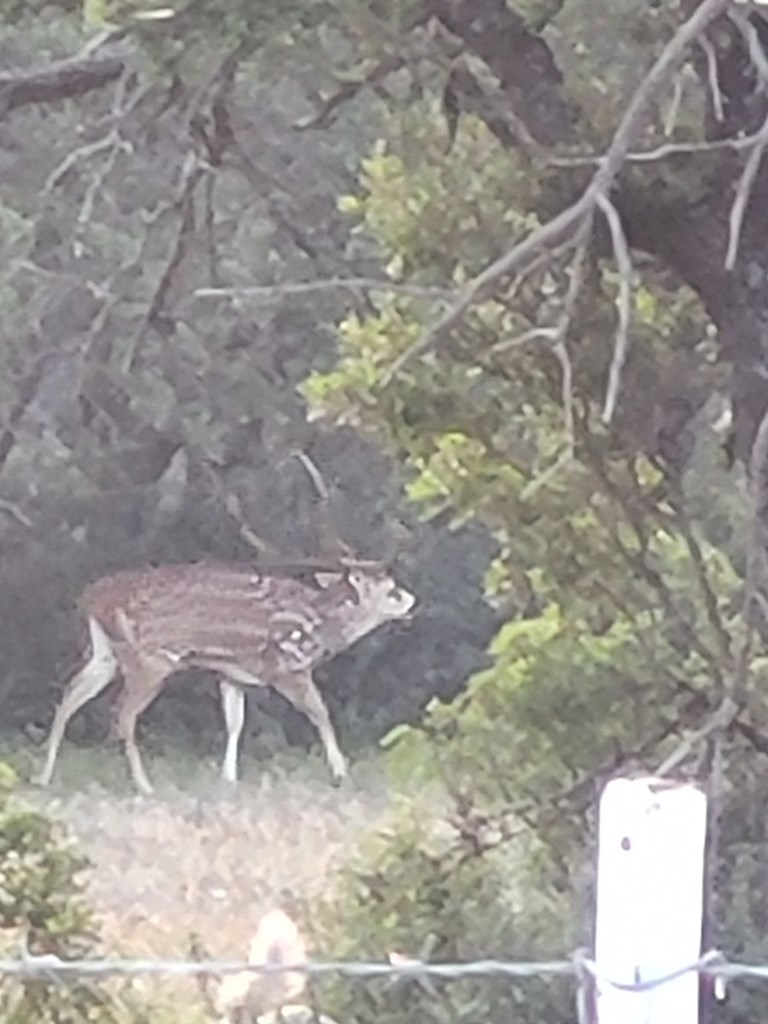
(247,998)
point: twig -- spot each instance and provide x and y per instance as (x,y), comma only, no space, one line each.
(565,458)
(670,118)
(234,508)
(566,366)
(743,192)
(569,220)
(313,472)
(119,145)
(754,46)
(274,291)
(624,300)
(560,350)
(326,112)
(191,173)
(641,156)
(712,77)
(80,153)
(554,231)
(13,510)
(721,719)
(532,334)
(333,546)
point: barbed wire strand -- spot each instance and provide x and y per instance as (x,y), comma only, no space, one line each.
(711,964)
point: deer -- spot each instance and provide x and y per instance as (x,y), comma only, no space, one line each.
(251,624)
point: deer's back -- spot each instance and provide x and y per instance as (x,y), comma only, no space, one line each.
(208,611)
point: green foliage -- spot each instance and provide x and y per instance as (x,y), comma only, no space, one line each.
(623,614)
(418,891)
(42,906)
(416,205)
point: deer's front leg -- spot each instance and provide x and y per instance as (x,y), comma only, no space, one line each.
(300,690)
(233,706)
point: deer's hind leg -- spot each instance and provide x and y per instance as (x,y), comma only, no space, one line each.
(143,679)
(89,681)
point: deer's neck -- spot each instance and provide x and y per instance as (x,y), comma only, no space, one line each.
(349,623)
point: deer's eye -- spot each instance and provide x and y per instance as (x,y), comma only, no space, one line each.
(396,593)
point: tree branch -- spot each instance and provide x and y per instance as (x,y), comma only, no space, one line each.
(518,57)
(61,81)
(568,221)
(270,292)
(624,303)
(743,192)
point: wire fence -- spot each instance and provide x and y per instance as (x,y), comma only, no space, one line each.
(581,969)
(712,964)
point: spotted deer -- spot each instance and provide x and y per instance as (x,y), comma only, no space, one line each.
(254,625)
(251,626)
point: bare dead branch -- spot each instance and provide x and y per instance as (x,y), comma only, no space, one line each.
(668,149)
(80,153)
(754,47)
(103,38)
(13,510)
(569,220)
(270,559)
(277,291)
(722,718)
(326,113)
(194,167)
(551,233)
(623,302)
(562,353)
(743,192)
(191,173)
(234,508)
(327,110)
(669,118)
(118,146)
(333,546)
(532,334)
(63,80)
(314,474)
(712,77)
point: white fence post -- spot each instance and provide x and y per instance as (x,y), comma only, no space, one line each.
(650,889)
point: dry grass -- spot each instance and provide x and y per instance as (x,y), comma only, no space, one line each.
(200,856)
(203,856)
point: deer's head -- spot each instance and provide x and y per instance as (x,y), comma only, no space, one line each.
(378,592)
